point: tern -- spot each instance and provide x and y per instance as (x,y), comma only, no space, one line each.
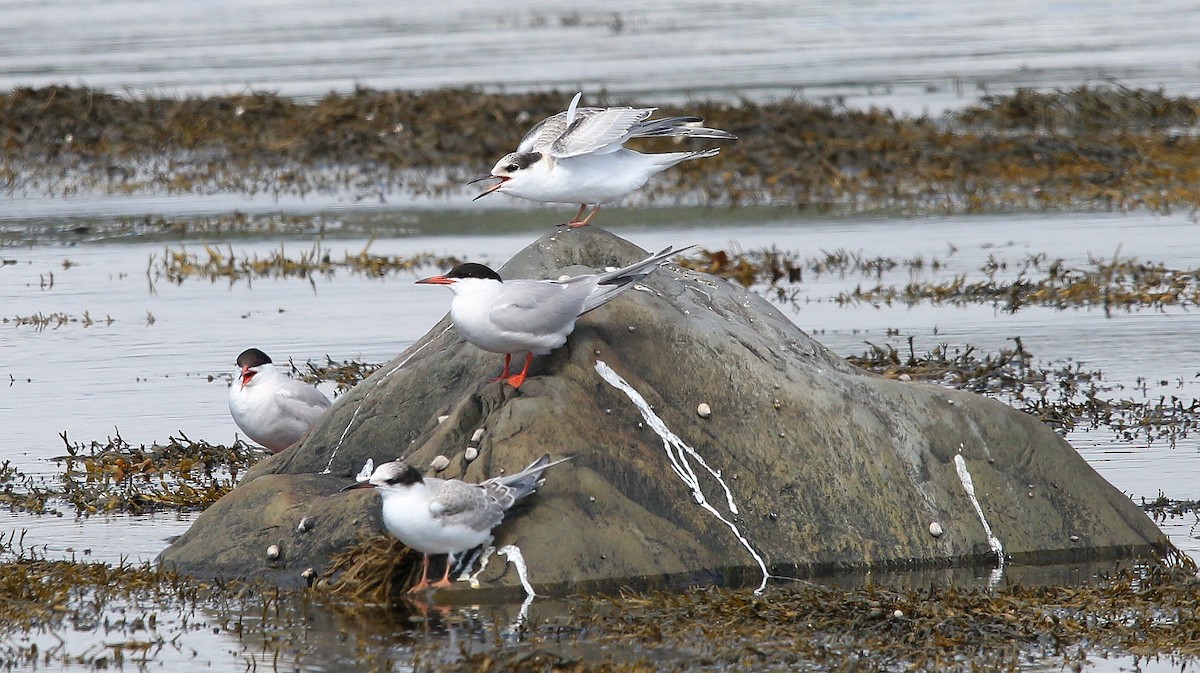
(447,516)
(578,156)
(530,316)
(272,408)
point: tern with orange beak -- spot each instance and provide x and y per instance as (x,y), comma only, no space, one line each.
(578,156)
(272,408)
(530,316)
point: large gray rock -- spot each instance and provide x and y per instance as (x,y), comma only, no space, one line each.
(829,467)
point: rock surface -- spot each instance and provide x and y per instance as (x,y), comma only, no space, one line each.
(828,467)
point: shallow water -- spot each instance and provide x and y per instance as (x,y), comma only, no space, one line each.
(911,57)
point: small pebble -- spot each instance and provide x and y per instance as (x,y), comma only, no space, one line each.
(306,524)
(471,453)
(1030,494)
(1074,538)
(442,419)
(777,404)
(703,410)
(904,377)
(935,529)
(591,498)
(773,516)
(273,552)
(632,328)
(898,614)
(439,463)
(477,436)
(308,576)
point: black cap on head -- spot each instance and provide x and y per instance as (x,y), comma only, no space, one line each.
(473,270)
(405,475)
(252,357)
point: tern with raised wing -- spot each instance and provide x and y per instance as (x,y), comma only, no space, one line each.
(579,156)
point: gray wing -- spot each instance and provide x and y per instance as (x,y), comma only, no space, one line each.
(602,132)
(541,307)
(302,401)
(460,503)
(550,129)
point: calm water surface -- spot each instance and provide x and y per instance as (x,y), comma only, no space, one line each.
(909,56)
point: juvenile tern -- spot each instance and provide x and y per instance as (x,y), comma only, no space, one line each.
(272,408)
(530,316)
(447,516)
(578,156)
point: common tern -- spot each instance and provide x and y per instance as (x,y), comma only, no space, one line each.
(272,408)
(530,316)
(447,516)
(578,156)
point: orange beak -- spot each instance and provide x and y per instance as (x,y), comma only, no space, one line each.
(436,280)
(503,179)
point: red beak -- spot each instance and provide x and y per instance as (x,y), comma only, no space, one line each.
(247,374)
(436,280)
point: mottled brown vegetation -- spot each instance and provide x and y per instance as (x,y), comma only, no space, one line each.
(213,264)
(1108,284)
(149,615)
(114,476)
(1092,147)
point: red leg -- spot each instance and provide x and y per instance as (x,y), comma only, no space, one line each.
(584,222)
(517,379)
(424,583)
(507,362)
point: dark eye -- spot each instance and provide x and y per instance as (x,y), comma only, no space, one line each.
(512,167)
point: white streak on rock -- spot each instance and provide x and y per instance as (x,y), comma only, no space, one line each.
(378,383)
(513,553)
(678,453)
(483,555)
(960,464)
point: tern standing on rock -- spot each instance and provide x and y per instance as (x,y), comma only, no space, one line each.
(578,156)
(530,316)
(272,408)
(447,516)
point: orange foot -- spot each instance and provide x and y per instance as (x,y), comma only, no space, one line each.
(517,379)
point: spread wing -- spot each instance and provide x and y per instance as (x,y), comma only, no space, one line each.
(550,129)
(541,307)
(601,132)
(458,503)
(302,401)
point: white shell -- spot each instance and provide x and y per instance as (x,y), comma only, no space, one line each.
(273,552)
(935,529)
(703,410)
(439,463)
(306,524)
